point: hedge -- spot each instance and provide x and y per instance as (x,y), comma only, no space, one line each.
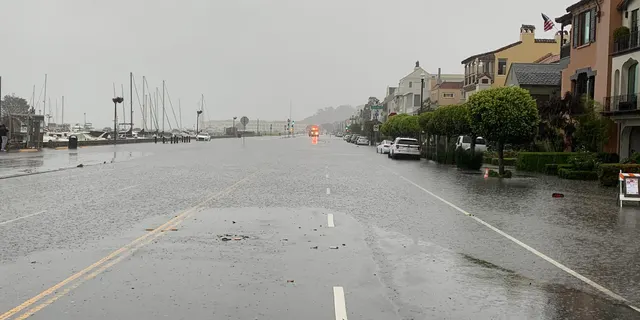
(608,173)
(506,161)
(569,174)
(537,161)
(552,168)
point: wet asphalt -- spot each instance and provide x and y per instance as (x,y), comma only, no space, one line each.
(280,228)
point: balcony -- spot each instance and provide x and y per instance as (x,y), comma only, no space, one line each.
(565,51)
(622,103)
(626,43)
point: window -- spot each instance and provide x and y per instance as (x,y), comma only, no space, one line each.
(502,67)
(584,28)
(631,83)
(634,21)
(416,100)
(409,84)
(447,95)
(485,81)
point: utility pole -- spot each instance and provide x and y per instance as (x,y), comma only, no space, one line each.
(0,98)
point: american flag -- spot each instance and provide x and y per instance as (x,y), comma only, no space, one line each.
(548,24)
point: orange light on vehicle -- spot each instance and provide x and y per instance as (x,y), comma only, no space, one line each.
(314,140)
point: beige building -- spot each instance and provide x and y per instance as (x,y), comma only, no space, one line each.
(446,93)
(489,69)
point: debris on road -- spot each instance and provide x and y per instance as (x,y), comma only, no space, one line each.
(227,237)
(334,247)
(149,229)
(80,165)
(290,281)
(314,247)
(233,221)
(557,195)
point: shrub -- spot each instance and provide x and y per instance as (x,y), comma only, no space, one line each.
(536,161)
(565,173)
(487,160)
(608,173)
(495,174)
(583,161)
(605,157)
(464,160)
(620,33)
(551,169)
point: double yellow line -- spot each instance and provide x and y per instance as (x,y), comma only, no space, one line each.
(108,261)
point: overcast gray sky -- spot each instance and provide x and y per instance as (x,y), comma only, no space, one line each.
(248,57)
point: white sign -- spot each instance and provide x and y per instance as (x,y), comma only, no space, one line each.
(376,127)
(631,186)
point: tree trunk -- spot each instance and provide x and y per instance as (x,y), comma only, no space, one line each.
(473,146)
(446,149)
(500,158)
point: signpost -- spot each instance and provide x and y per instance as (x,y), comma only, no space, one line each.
(376,108)
(629,187)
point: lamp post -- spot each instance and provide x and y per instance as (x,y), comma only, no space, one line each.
(198,121)
(115,100)
(233,127)
(421,91)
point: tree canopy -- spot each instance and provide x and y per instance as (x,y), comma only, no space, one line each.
(14,105)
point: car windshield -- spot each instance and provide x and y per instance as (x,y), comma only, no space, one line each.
(480,141)
(466,139)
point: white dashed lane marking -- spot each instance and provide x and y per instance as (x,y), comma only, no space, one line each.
(330,223)
(328,191)
(339,303)
(23,217)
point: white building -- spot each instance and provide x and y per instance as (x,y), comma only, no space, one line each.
(622,105)
(406,97)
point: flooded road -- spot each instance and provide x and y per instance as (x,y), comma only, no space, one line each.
(287,228)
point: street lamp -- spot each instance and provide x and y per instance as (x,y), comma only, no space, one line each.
(233,128)
(421,91)
(198,120)
(115,100)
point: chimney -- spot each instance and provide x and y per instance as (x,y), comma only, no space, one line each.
(527,33)
(562,37)
(439,81)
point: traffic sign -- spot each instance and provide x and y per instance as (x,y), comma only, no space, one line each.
(376,107)
(376,127)
(244,120)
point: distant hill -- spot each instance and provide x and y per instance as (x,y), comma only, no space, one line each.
(330,115)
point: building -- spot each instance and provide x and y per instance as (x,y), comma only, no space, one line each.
(489,69)
(542,80)
(388,103)
(587,73)
(622,103)
(446,93)
(406,97)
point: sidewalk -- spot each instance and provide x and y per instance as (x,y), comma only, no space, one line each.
(47,160)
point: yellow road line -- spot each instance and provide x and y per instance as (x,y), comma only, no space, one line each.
(130,248)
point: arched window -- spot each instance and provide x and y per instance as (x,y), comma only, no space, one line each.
(631,83)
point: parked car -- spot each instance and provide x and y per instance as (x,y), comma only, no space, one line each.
(464,142)
(384,147)
(354,138)
(405,147)
(362,141)
(203,136)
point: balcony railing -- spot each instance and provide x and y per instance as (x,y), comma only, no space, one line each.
(627,102)
(565,51)
(627,42)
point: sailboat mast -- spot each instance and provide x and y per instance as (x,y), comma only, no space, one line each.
(162,106)
(144,107)
(44,101)
(124,114)
(180,113)
(62,113)
(131,100)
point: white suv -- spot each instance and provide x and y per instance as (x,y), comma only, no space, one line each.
(408,147)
